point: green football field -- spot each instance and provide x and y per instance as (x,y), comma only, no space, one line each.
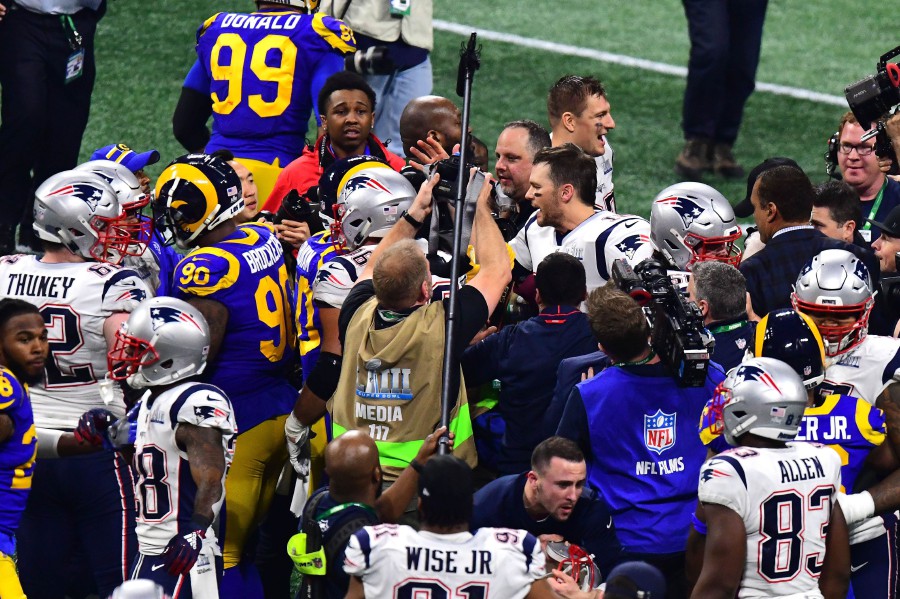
(144,50)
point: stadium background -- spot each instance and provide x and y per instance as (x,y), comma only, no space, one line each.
(144,49)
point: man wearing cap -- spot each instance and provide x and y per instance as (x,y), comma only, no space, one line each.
(887,242)
(444,558)
(782,199)
(136,162)
(878,193)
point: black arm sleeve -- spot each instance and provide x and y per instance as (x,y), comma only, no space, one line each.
(472,313)
(189,121)
(361,292)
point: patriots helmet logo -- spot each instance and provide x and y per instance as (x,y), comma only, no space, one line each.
(164,314)
(687,209)
(861,271)
(749,372)
(364,181)
(631,244)
(89,194)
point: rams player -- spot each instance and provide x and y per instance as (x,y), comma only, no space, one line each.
(259,76)
(236,277)
(23,351)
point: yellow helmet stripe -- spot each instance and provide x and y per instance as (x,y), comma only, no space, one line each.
(353,172)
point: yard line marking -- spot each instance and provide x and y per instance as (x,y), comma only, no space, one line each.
(626,61)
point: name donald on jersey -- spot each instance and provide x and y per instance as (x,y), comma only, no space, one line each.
(240,21)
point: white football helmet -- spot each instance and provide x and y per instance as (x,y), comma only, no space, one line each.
(81,211)
(692,222)
(163,341)
(762,396)
(139,589)
(836,285)
(370,201)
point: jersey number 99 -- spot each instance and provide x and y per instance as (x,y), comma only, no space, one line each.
(232,71)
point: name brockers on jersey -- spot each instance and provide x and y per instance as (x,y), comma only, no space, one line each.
(427,559)
(801,469)
(21,284)
(264,257)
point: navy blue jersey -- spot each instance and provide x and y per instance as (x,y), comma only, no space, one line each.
(638,428)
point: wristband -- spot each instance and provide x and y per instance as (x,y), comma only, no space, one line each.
(408,218)
(856,507)
(48,439)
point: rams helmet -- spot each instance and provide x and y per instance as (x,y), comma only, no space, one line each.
(793,338)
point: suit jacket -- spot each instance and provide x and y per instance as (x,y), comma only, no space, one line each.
(772,272)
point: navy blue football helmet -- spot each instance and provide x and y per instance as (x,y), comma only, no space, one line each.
(793,338)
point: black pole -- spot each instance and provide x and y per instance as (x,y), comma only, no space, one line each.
(468,64)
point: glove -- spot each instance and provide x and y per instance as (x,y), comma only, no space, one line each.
(92,427)
(182,552)
(123,432)
(297,436)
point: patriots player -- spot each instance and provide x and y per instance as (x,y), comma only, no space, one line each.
(444,559)
(836,291)
(236,277)
(23,351)
(562,189)
(183,445)
(83,297)
(259,76)
(579,114)
(774,526)
(691,222)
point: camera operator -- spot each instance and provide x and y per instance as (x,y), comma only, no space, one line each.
(405,31)
(878,193)
(720,291)
(637,426)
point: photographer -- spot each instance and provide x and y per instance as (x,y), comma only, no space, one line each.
(720,291)
(637,427)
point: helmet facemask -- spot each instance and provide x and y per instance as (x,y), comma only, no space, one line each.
(128,357)
(719,249)
(838,338)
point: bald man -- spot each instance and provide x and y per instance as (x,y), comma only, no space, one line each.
(430,117)
(353,500)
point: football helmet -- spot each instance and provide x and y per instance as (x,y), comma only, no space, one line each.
(196,193)
(576,562)
(762,396)
(793,338)
(692,222)
(163,341)
(370,200)
(835,284)
(81,211)
(131,198)
(309,6)
(139,589)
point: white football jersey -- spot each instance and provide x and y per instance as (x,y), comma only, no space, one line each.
(399,562)
(164,488)
(605,199)
(75,300)
(785,497)
(864,371)
(601,239)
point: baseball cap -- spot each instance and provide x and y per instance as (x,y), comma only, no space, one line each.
(445,482)
(122,154)
(744,208)
(635,580)
(891,224)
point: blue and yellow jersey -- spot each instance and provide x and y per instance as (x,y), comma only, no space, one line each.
(246,273)
(317,250)
(17,453)
(850,426)
(263,72)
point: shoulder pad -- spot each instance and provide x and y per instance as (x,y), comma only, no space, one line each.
(206,271)
(336,33)
(12,392)
(123,291)
(206,24)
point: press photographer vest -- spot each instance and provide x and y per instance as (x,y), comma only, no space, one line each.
(373,18)
(390,387)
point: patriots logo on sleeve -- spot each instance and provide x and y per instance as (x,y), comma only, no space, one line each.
(687,209)
(204,412)
(137,295)
(631,244)
(89,194)
(710,473)
(163,314)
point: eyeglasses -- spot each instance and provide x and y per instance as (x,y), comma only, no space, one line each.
(861,149)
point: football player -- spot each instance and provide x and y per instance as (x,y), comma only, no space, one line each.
(773,525)
(259,76)
(692,222)
(236,277)
(444,559)
(23,351)
(183,444)
(563,181)
(83,297)
(836,291)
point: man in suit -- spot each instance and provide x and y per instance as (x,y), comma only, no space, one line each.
(782,200)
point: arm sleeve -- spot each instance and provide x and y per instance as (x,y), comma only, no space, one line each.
(189,120)
(573,424)
(356,556)
(473,315)
(123,291)
(206,406)
(328,66)
(479,362)
(722,481)
(356,298)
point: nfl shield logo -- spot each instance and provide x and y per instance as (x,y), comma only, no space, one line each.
(659,431)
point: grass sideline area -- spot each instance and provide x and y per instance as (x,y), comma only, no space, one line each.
(145,49)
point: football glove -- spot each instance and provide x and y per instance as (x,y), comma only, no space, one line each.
(297,436)
(93,426)
(182,552)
